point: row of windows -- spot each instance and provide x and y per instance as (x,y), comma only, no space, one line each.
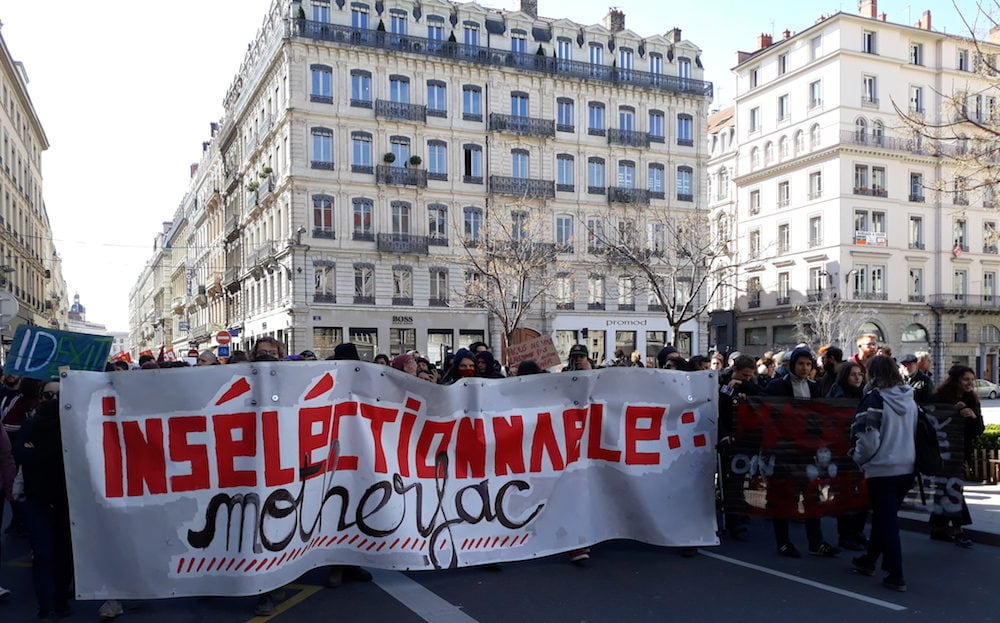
(362,161)
(598,230)
(471,35)
(436,103)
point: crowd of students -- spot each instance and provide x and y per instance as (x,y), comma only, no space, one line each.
(887,392)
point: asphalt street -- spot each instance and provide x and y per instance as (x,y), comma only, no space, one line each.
(624,581)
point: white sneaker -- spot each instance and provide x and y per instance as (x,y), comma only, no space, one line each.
(4,593)
(110,609)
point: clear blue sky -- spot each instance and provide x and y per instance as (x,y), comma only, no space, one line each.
(126,93)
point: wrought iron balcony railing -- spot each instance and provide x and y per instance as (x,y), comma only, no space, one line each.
(402,243)
(522,125)
(389,109)
(638,196)
(628,138)
(402,176)
(522,187)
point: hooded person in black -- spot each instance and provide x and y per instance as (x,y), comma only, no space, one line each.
(486,366)
(462,365)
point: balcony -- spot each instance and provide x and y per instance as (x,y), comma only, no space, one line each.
(566,305)
(753,302)
(522,187)
(909,144)
(782,300)
(402,243)
(595,305)
(965,301)
(874,191)
(324,298)
(364,236)
(871,238)
(814,296)
(528,126)
(401,176)
(916,245)
(388,109)
(916,198)
(327,234)
(628,138)
(960,200)
(492,57)
(815,242)
(874,295)
(437,240)
(635,196)
(990,248)
(402,301)
(364,300)
(868,101)
(685,197)
(437,302)
(915,298)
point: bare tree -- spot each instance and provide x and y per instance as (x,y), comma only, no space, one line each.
(965,131)
(833,321)
(509,263)
(683,257)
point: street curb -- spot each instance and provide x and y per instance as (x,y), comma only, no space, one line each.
(915,524)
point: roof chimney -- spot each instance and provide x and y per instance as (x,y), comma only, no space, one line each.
(674,34)
(614,20)
(763,41)
(868,8)
(530,7)
(787,34)
(925,21)
(882,16)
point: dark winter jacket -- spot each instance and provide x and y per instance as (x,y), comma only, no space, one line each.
(39,451)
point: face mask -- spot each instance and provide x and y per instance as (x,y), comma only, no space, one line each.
(466,372)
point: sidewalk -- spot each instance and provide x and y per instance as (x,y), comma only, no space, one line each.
(984,506)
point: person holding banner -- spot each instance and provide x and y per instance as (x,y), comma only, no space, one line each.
(7,473)
(39,450)
(957,390)
(883,430)
(797,384)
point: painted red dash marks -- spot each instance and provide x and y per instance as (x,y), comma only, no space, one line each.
(262,563)
(524,538)
(231,563)
(242,562)
(362,543)
(673,441)
(700,441)
(210,565)
(479,543)
(109,406)
(380,546)
(201,563)
(273,562)
(687,417)
(504,541)
(322,386)
(405,543)
(343,538)
(444,544)
(282,559)
(373,544)
(423,544)
(237,389)
(190,565)
(180,565)
(353,539)
(394,543)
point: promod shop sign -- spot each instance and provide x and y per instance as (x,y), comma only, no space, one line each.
(238,479)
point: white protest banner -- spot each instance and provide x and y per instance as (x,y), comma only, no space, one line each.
(236,479)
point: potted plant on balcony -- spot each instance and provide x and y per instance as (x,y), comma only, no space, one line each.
(300,14)
(389,157)
(415,161)
(253,186)
(266,172)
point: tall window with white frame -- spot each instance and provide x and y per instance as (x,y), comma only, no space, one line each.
(784,288)
(915,285)
(359,16)
(518,41)
(815,184)
(363,227)
(869,42)
(817,281)
(916,232)
(595,176)
(565,178)
(437,99)
(815,231)
(472,164)
(989,286)
(917,187)
(400,215)
(564,233)
(960,284)
(472,102)
(784,238)
(364,284)
(472,225)
(626,293)
(402,285)
(437,224)
(321,84)
(361,88)
(324,282)
(399,89)
(323,221)
(565,115)
(321,12)
(656,180)
(322,148)
(784,194)
(437,160)
(361,152)
(960,233)
(438,287)
(657,131)
(685,183)
(815,94)
(595,291)
(685,129)
(595,119)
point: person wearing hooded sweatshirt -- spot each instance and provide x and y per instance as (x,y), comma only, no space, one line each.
(883,430)
(486,366)
(462,365)
(797,384)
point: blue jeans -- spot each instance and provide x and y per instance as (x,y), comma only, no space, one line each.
(52,554)
(886,494)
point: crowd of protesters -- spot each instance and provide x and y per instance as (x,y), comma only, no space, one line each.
(32,477)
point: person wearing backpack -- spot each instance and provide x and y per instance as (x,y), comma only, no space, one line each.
(883,433)
(957,389)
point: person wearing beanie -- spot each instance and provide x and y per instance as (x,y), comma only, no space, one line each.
(463,365)
(797,384)
(667,352)
(486,366)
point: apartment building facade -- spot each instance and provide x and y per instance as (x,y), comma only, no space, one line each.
(365,146)
(30,267)
(839,199)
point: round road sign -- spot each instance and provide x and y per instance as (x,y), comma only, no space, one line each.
(223,337)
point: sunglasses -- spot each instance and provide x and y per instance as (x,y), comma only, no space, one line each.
(50,395)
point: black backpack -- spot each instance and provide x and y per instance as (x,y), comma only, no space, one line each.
(928,451)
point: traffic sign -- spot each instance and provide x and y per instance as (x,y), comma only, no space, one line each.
(192,352)
(222,350)
(223,337)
